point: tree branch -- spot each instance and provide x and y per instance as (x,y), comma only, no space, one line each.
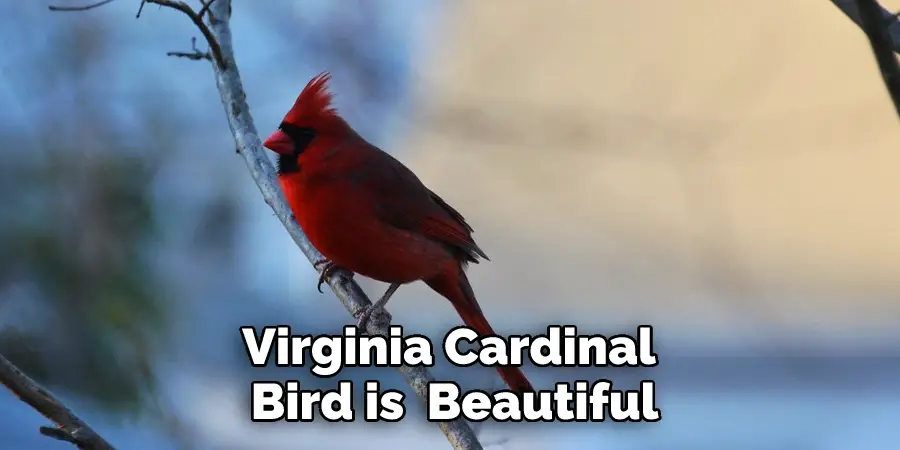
(79,8)
(851,9)
(249,146)
(195,54)
(877,23)
(197,18)
(231,90)
(70,427)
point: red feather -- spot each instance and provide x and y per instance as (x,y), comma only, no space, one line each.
(368,213)
(313,102)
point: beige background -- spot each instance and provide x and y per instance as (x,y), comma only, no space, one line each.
(710,164)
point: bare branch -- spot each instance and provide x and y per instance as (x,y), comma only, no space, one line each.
(215,53)
(195,53)
(194,56)
(851,9)
(231,91)
(249,146)
(883,30)
(79,8)
(205,8)
(875,25)
(70,427)
(214,48)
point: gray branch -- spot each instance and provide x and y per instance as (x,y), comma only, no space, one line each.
(217,33)
(70,427)
(231,90)
(882,30)
(892,25)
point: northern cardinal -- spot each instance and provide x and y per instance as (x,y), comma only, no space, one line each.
(369,214)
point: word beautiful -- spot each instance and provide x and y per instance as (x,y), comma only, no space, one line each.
(561,346)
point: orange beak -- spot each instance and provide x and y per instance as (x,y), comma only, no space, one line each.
(279,142)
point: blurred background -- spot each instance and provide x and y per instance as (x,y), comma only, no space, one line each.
(722,170)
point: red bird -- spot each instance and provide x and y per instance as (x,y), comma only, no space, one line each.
(368,213)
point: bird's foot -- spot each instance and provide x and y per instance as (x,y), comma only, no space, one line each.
(328,268)
(366,314)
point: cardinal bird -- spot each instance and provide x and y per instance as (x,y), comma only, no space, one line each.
(369,214)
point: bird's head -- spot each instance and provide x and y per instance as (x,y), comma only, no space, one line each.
(311,116)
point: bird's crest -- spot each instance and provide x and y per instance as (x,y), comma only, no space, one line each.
(313,102)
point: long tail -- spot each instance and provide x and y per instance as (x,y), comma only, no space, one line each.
(455,287)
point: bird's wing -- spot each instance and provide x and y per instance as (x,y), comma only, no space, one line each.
(403,201)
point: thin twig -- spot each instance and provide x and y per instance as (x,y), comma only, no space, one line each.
(197,17)
(70,427)
(205,8)
(214,48)
(194,56)
(195,53)
(875,26)
(851,9)
(79,8)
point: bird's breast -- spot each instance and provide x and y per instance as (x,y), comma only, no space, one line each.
(340,221)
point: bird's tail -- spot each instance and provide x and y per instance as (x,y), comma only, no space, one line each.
(457,289)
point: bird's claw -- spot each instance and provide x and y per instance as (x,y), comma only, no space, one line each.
(328,268)
(365,315)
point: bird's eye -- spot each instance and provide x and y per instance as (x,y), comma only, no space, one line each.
(302,136)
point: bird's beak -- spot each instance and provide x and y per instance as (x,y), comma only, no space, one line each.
(279,142)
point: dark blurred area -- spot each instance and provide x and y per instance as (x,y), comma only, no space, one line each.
(134,243)
(85,303)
